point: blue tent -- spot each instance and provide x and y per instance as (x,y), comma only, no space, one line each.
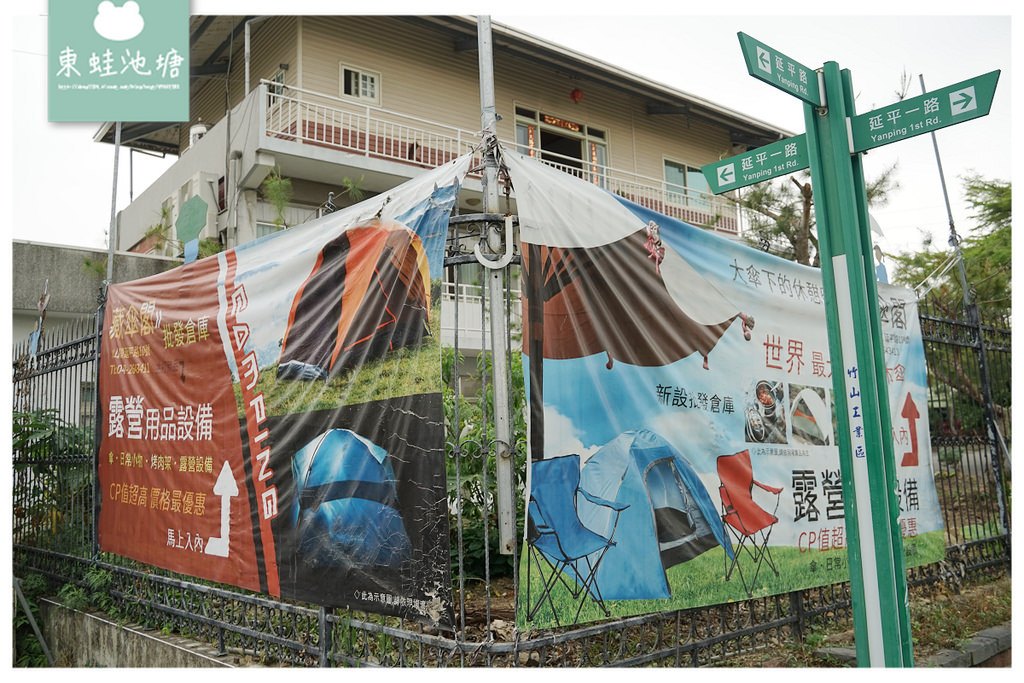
(345,512)
(670,518)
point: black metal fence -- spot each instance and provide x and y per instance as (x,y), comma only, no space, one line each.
(53,536)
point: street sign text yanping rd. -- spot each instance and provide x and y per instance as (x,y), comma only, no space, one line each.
(775,68)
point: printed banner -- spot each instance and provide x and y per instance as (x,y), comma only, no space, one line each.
(682,427)
(273,416)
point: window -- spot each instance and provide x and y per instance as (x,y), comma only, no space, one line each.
(573,147)
(360,84)
(277,83)
(686,185)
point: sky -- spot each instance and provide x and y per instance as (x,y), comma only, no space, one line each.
(61,181)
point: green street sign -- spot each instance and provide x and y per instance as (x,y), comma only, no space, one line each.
(757,165)
(964,101)
(775,68)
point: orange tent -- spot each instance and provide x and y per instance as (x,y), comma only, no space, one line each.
(368,293)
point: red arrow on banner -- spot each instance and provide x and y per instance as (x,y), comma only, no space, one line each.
(911,414)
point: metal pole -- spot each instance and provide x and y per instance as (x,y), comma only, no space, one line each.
(875,547)
(32,620)
(496,294)
(999,447)
(246,91)
(112,235)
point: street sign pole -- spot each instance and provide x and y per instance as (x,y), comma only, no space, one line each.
(891,479)
(867,460)
(835,139)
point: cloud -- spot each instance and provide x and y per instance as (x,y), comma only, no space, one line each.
(561,437)
(118,23)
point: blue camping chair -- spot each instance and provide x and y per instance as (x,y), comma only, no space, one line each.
(557,538)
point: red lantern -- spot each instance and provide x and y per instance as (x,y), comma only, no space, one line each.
(576,95)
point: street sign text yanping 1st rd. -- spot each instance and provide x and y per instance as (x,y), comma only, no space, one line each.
(775,68)
(757,165)
(964,101)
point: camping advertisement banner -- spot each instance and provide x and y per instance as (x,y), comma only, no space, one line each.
(273,417)
(682,433)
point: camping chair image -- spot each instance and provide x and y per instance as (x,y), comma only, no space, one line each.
(557,538)
(751,525)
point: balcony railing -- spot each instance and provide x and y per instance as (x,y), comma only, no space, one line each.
(317,119)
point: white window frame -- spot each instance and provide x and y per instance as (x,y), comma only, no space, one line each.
(360,73)
(277,83)
(697,198)
(593,173)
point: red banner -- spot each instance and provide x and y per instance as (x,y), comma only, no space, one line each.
(170,464)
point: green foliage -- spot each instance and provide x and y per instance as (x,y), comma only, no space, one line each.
(94,592)
(278,191)
(986,254)
(470,430)
(353,188)
(45,432)
(28,652)
(209,246)
(94,267)
(73,597)
(43,507)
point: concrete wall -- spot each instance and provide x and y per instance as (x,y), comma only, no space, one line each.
(72,289)
(77,639)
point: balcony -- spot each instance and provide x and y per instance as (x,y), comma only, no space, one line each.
(310,118)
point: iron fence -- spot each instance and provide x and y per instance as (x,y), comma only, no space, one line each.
(54,497)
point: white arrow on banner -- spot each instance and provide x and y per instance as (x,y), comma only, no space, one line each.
(227,489)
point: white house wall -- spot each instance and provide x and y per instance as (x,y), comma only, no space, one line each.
(422,75)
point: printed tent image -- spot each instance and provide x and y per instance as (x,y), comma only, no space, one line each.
(670,518)
(613,299)
(368,293)
(811,417)
(345,512)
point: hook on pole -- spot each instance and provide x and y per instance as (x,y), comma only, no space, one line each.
(505,258)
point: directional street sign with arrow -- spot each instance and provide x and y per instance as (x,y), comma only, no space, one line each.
(964,101)
(757,165)
(834,139)
(773,67)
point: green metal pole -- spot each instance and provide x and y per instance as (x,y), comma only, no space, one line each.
(902,615)
(881,616)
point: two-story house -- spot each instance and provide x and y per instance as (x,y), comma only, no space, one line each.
(322,101)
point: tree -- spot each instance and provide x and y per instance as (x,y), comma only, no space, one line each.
(986,252)
(783,218)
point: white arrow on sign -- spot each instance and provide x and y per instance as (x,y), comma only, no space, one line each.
(727,174)
(962,101)
(227,489)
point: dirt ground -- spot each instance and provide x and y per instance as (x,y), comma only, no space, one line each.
(941,619)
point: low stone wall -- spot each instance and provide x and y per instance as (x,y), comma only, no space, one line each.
(79,639)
